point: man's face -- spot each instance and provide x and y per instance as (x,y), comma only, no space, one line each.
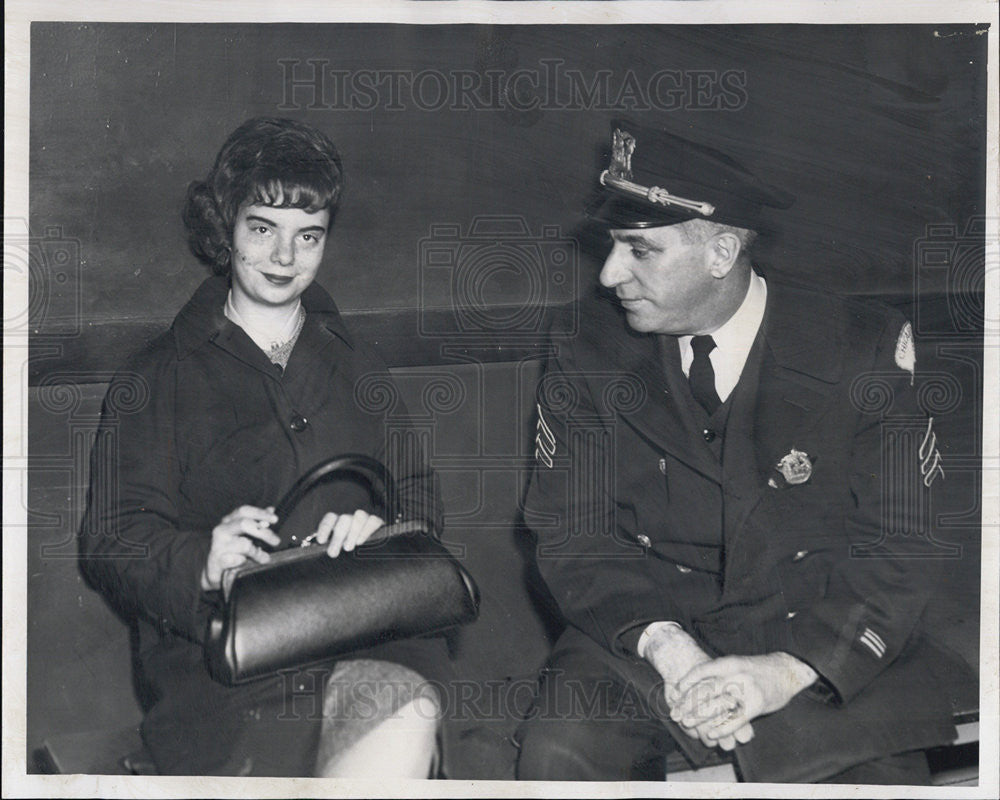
(662,279)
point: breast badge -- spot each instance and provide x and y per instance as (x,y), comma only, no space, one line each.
(793,469)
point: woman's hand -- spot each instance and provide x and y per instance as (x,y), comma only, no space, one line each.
(346,531)
(233,542)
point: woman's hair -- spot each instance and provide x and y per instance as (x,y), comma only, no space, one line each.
(266,161)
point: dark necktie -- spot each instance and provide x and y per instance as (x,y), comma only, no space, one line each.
(701,376)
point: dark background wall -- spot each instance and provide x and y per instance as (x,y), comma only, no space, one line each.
(879,132)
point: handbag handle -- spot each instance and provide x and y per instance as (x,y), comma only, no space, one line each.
(375,472)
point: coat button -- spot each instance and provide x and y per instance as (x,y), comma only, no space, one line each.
(709,435)
(682,569)
(800,555)
(644,540)
(663,466)
(298,423)
(791,614)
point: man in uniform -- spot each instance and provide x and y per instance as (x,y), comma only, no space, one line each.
(730,498)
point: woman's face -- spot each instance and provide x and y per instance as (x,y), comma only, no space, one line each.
(276,253)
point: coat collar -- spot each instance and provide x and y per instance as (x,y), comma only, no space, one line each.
(802,332)
(202,319)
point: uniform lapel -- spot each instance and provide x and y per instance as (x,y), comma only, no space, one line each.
(664,419)
(741,476)
(781,396)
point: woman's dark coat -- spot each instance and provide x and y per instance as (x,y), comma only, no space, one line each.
(196,425)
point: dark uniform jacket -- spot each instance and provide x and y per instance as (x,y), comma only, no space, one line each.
(197,424)
(645,512)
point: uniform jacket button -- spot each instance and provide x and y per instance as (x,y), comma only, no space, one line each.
(663,466)
(709,434)
(681,568)
(644,540)
(791,614)
(298,423)
(800,555)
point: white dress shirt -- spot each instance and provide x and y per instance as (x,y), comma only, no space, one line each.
(733,339)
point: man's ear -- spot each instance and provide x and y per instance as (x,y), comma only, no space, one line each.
(723,251)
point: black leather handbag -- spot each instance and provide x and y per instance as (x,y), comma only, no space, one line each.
(304,607)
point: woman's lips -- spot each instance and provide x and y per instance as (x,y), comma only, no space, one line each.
(278,280)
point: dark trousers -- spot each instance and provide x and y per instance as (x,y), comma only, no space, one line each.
(596,717)
(600,717)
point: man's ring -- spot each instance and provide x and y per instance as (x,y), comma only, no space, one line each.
(734,710)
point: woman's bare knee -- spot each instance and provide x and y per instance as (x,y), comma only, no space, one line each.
(380,720)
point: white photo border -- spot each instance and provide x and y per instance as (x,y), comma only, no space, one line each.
(18,16)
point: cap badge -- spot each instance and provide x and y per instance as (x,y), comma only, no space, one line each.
(622,147)
(794,468)
(618,176)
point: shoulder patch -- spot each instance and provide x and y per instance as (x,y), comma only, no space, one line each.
(906,354)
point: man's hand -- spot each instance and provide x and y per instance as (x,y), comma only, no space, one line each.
(674,654)
(718,698)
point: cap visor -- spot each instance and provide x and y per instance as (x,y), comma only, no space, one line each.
(616,211)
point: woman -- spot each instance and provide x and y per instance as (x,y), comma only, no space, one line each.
(254,383)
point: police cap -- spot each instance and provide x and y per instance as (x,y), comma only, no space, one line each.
(657,178)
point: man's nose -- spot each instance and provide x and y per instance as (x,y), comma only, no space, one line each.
(614,271)
(283,252)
